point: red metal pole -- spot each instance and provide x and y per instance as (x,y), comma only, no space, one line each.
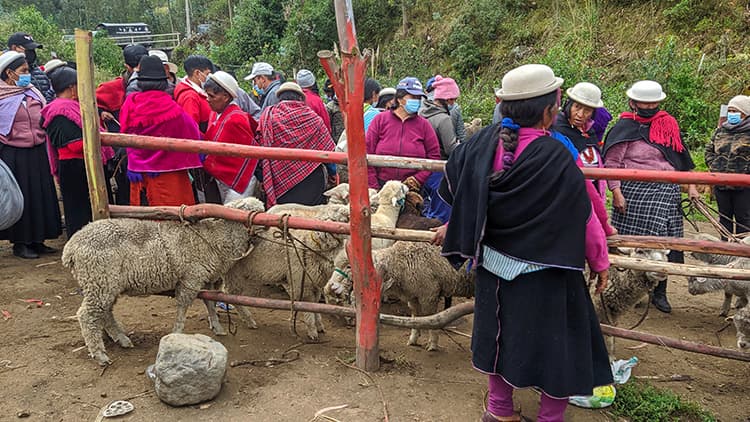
(326,58)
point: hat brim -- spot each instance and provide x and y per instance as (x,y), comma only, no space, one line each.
(229,90)
(32,45)
(584,101)
(252,76)
(172,67)
(511,96)
(151,78)
(415,92)
(634,97)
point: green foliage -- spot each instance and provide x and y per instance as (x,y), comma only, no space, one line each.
(691,15)
(311,27)
(640,402)
(29,19)
(258,27)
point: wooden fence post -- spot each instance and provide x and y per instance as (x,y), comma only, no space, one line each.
(90,118)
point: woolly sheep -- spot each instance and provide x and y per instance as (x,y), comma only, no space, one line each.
(627,287)
(390,200)
(309,270)
(139,257)
(417,274)
(340,195)
(701,285)
(742,323)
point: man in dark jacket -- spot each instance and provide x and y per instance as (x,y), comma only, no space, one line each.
(24,43)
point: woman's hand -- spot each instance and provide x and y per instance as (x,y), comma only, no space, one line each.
(602,278)
(439,234)
(618,201)
(693,192)
(107,116)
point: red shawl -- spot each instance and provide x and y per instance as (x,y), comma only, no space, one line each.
(110,95)
(664,129)
(290,124)
(233,126)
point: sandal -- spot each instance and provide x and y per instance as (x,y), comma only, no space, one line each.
(516,417)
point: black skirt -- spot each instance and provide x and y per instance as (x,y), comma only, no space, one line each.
(539,330)
(307,192)
(75,194)
(41,213)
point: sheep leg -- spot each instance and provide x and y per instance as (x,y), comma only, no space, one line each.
(116,331)
(184,298)
(430,308)
(415,333)
(213,318)
(246,316)
(91,317)
(741,302)
(726,304)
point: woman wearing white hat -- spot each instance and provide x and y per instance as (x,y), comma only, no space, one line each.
(522,215)
(23,149)
(648,138)
(229,124)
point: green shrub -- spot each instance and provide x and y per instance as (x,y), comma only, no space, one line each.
(641,402)
(29,19)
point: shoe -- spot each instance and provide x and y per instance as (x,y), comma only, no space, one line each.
(24,251)
(661,303)
(42,249)
(659,300)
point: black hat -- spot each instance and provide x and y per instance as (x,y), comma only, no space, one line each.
(152,69)
(133,54)
(62,78)
(24,40)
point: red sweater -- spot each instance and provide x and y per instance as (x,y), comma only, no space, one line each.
(233,126)
(110,95)
(194,104)
(316,104)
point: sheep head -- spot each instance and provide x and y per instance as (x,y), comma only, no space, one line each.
(701,285)
(247,204)
(705,257)
(654,255)
(413,204)
(742,323)
(338,194)
(324,241)
(393,194)
(340,283)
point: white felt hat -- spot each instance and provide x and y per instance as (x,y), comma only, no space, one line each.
(528,81)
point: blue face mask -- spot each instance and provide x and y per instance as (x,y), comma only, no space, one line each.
(24,79)
(412,105)
(734,118)
(451,106)
(259,90)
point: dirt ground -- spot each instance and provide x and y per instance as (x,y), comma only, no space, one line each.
(45,373)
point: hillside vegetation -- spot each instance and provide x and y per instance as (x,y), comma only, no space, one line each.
(696,49)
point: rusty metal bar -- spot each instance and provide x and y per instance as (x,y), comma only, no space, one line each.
(443,318)
(187,145)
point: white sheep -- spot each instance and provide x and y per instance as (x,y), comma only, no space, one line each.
(139,257)
(701,285)
(627,287)
(391,198)
(340,195)
(741,321)
(311,263)
(417,274)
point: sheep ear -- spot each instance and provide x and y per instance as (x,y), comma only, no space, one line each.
(729,319)
(387,284)
(394,202)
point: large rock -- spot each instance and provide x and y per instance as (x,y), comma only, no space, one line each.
(189,368)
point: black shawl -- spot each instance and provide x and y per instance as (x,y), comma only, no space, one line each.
(628,130)
(563,126)
(536,212)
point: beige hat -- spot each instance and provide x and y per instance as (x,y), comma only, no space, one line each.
(646,92)
(528,81)
(164,59)
(741,103)
(290,86)
(226,81)
(587,94)
(52,65)
(9,57)
(387,91)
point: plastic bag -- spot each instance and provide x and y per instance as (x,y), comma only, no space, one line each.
(604,396)
(11,198)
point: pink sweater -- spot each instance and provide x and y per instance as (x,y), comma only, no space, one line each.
(27,130)
(634,155)
(596,241)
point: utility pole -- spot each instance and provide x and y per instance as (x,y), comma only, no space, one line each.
(188,33)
